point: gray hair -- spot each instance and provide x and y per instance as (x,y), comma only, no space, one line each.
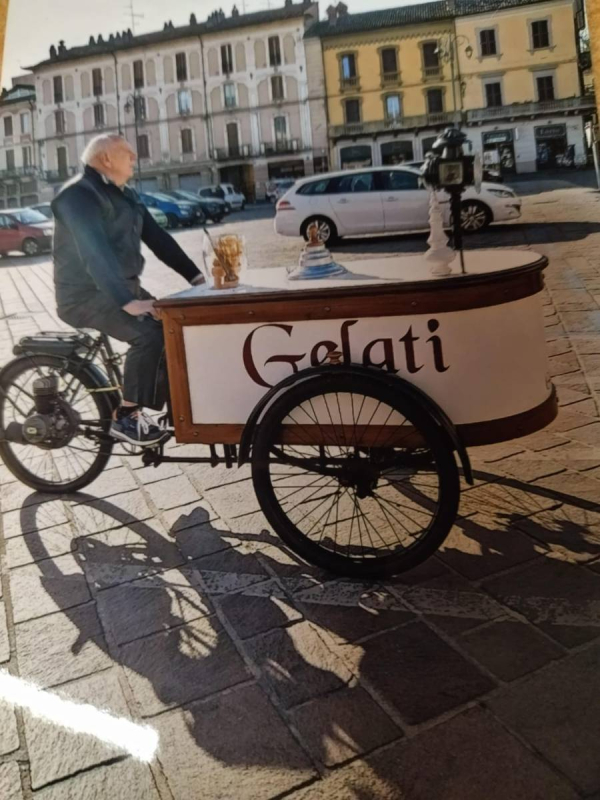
(98,145)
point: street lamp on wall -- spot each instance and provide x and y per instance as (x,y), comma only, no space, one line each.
(133,103)
(447,50)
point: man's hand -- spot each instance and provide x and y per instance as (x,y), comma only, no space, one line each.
(138,308)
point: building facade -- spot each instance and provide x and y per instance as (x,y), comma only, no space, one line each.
(508,71)
(223,100)
(18,157)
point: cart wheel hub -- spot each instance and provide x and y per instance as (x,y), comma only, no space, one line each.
(360,475)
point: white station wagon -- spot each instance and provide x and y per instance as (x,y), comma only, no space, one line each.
(382,200)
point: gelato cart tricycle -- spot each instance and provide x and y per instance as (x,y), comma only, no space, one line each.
(352,397)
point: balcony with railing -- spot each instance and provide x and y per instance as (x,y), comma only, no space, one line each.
(394,123)
(390,78)
(585,102)
(59,175)
(350,84)
(18,172)
(280,147)
(433,73)
(234,153)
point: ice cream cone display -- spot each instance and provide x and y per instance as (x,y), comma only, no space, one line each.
(315,260)
(228,261)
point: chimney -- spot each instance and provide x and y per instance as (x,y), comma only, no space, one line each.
(52,51)
(288,3)
(92,41)
(332,15)
(61,47)
(193,20)
(342,10)
(234,12)
(100,39)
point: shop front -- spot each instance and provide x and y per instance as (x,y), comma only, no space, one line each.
(396,152)
(499,151)
(354,156)
(550,145)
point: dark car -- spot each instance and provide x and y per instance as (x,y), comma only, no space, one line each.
(212,207)
(26,230)
(212,193)
(203,212)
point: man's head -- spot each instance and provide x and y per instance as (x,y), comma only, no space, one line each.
(112,156)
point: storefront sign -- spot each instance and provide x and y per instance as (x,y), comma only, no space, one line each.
(497,137)
(551,132)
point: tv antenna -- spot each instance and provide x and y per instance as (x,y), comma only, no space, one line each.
(133,16)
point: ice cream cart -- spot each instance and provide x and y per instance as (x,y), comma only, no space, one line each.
(354,398)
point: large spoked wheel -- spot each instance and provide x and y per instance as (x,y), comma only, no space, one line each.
(76,448)
(355,476)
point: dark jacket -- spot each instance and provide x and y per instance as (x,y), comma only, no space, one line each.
(97,242)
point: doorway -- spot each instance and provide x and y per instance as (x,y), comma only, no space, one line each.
(550,145)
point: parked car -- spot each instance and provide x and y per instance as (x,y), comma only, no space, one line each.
(210,193)
(178,212)
(228,193)
(45,209)
(25,229)
(277,188)
(382,200)
(211,208)
(159,216)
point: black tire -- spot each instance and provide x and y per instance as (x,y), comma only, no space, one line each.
(30,247)
(327,229)
(173,221)
(432,455)
(217,218)
(13,455)
(475,216)
(243,206)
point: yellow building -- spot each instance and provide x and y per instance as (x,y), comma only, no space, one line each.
(507,69)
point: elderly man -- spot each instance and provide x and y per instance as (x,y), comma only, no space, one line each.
(100,224)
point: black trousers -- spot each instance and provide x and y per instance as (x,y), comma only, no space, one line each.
(145,379)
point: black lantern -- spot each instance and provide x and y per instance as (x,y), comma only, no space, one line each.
(447,167)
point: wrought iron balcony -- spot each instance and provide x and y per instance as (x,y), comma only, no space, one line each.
(233,153)
(531,109)
(59,175)
(394,123)
(280,147)
(19,172)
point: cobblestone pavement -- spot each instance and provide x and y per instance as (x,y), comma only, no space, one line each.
(157,642)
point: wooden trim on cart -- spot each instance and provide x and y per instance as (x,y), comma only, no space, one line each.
(459,293)
(472,434)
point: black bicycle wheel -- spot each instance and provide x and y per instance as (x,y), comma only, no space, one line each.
(355,476)
(83,450)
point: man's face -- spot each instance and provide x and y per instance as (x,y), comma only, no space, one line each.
(120,162)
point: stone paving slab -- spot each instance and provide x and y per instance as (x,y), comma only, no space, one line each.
(235,746)
(126,780)
(188,663)
(556,712)
(58,752)
(10,781)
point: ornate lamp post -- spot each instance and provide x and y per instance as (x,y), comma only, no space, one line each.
(447,51)
(133,103)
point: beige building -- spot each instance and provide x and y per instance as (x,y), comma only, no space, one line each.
(18,156)
(226,99)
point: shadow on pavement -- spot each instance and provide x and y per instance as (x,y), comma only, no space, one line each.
(157,597)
